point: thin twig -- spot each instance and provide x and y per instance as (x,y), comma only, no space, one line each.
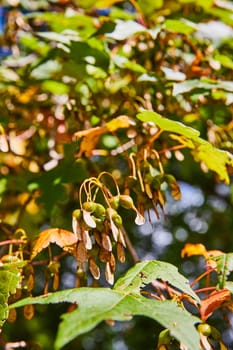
(130,246)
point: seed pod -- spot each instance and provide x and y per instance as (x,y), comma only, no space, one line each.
(140,220)
(148,190)
(28,273)
(120,252)
(28,311)
(127,202)
(76,228)
(54,266)
(164,339)
(56,280)
(112,262)
(87,239)
(89,206)
(77,214)
(116,218)
(88,219)
(98,238)
(109,274)
(114,202)
(18,294)
(121,238)
(106,242)
(99,211)
(204,328)
(94,268)
(99,223)
(12,315)
(30,282)
(46,287)
(81,253)
(113,215)
(104,255)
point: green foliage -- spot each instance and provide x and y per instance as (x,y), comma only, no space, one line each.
(224,268)
(214,159)
(123,302)
(102,104)
(10,278)
(147,271)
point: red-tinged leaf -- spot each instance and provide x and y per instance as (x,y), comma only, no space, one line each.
(194,249)
(61,237)
(213,302)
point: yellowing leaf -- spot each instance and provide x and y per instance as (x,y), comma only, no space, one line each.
(194,249)
(61,237)
(120,122)
(91,136)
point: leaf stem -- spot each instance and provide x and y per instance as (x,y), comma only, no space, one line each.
(201,276)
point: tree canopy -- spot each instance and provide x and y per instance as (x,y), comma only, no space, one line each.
(116,138)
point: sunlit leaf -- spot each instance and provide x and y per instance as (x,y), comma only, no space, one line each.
(224,267)
(180,26)
(10,277)
(189,85)
(91,136)
(168,124)
(225,61)
(147,271)
(125,29)
(214,159)
(57,37)
(191,249)
(55,87)
(61,237)
(122,303)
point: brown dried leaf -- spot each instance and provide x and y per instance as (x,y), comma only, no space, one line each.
(61,237)
(91,136)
